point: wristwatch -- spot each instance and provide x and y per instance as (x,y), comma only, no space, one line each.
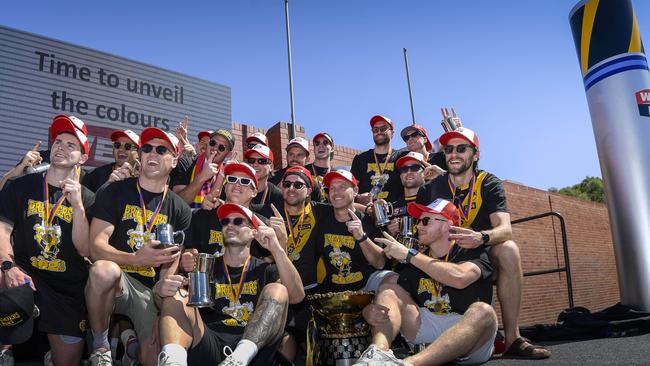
(7,265)
(411,253)
(362,239)
(486,237)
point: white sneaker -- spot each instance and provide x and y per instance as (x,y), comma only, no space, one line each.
(6,357)
(375,356)
(230,361)
(47,359)
(101,357)
(165,360)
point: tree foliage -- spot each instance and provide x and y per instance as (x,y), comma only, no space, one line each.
(591,188)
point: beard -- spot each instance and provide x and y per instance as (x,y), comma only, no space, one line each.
(234,241)
(381,139)
(465,166)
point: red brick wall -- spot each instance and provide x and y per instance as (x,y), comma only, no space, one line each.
(591,252)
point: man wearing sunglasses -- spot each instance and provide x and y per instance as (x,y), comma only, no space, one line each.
(193,182)
(44,237)
(323,155)
(441,298)
(260,157)
(297,154)
(374,167)
(125,145)
(127,257)
(204,141)
(251,299)
(485,221)
(256,139)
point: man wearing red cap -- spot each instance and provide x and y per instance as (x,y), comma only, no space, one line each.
(204,140)
(260,157)
(45,217)
(374,167)
(297,155)
(123,246)
(485,221)
(256,139)
(125,149)
(193,182)
(251,300)
(442,297)
(323,155)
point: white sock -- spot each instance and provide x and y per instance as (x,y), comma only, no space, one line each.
(176,353)
(126,334)
(245,351)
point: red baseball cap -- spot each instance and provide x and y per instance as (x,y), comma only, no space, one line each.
(325,135)
(463,133)
(71,125)
(203,134)
(151,133)
(126,133)
(229,208)
(411,156)
(259,137)
(437,207)
(243,168)
(339,174)
(259,149)
(419,128)
(299,142)
(378,118)
(300,171)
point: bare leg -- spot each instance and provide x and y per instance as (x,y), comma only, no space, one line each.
(102,287)
(403,314)
(63,353)
(477,326)
(179,324)
(509,286)
(288,347)
(270,315)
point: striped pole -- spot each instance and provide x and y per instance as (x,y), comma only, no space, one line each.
(617,84)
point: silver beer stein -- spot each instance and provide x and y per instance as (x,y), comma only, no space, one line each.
(200,281)
(383,211)
(167,236)
(406,234)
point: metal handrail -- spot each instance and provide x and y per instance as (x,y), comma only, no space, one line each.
(565,247)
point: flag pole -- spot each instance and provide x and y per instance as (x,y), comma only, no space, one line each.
(408,79)
(292,130)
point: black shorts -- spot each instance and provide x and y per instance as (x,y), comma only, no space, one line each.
(60,313)
(298,320)
(209,350)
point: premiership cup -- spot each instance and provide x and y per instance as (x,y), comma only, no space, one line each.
(383,211)
(167,236)
(200,282)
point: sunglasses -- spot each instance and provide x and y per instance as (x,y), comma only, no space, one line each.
(296,184)
(221,147)
(324,143)
(448,149)
(412,135)
(160,149)
(127,145)
(262,161)
(425,220)
(237,221)
(251,145)
(240,180)
(410,168)
(380,129)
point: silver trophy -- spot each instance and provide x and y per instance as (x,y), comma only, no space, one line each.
(167,236)
(406,232)
(200,282)
(383,211)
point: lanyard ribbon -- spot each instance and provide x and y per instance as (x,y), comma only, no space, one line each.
(235,295)
(148,225)
(379,167)
(295,239)
(48,215)
(464,209)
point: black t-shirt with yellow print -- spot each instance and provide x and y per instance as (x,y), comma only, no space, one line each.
(42,250)
(369,173)
(230,314)
(488,196)
(119,205)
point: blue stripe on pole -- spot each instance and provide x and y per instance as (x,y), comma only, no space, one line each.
(633,62)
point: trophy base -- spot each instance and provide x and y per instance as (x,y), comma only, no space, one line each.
(334,351)
(200,304)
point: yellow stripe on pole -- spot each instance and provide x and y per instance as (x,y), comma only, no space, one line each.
(587,26)
(635,39)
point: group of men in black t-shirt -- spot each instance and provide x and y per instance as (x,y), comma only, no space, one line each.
(276,236)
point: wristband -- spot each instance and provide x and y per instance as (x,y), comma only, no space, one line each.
(363,238)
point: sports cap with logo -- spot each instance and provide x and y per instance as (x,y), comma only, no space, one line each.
(302,172)
(72,125)
(151,133)
(259,149)
(437,207)
(128,134)
(299,142)
(243,168)
(411,156)
(378,118)
(229,208)
(323,135)
(16,314)
(339,174)
(408,129)
(258,137)
(225,134)
(203,134)
(463,133)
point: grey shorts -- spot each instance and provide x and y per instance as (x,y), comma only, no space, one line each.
(376,278)
(433,325)
(136,302)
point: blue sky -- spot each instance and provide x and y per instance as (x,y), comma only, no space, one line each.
(509,67)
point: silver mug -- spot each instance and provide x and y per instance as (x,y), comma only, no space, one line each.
(166,235)
(406,233)
(200,281)
(383,211)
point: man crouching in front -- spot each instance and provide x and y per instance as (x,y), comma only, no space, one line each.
(247,320)
(441,298)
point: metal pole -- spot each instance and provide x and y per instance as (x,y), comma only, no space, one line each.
(408,79)
(293,113)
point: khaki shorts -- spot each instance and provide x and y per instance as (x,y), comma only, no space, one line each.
(136,302)
(432,327)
